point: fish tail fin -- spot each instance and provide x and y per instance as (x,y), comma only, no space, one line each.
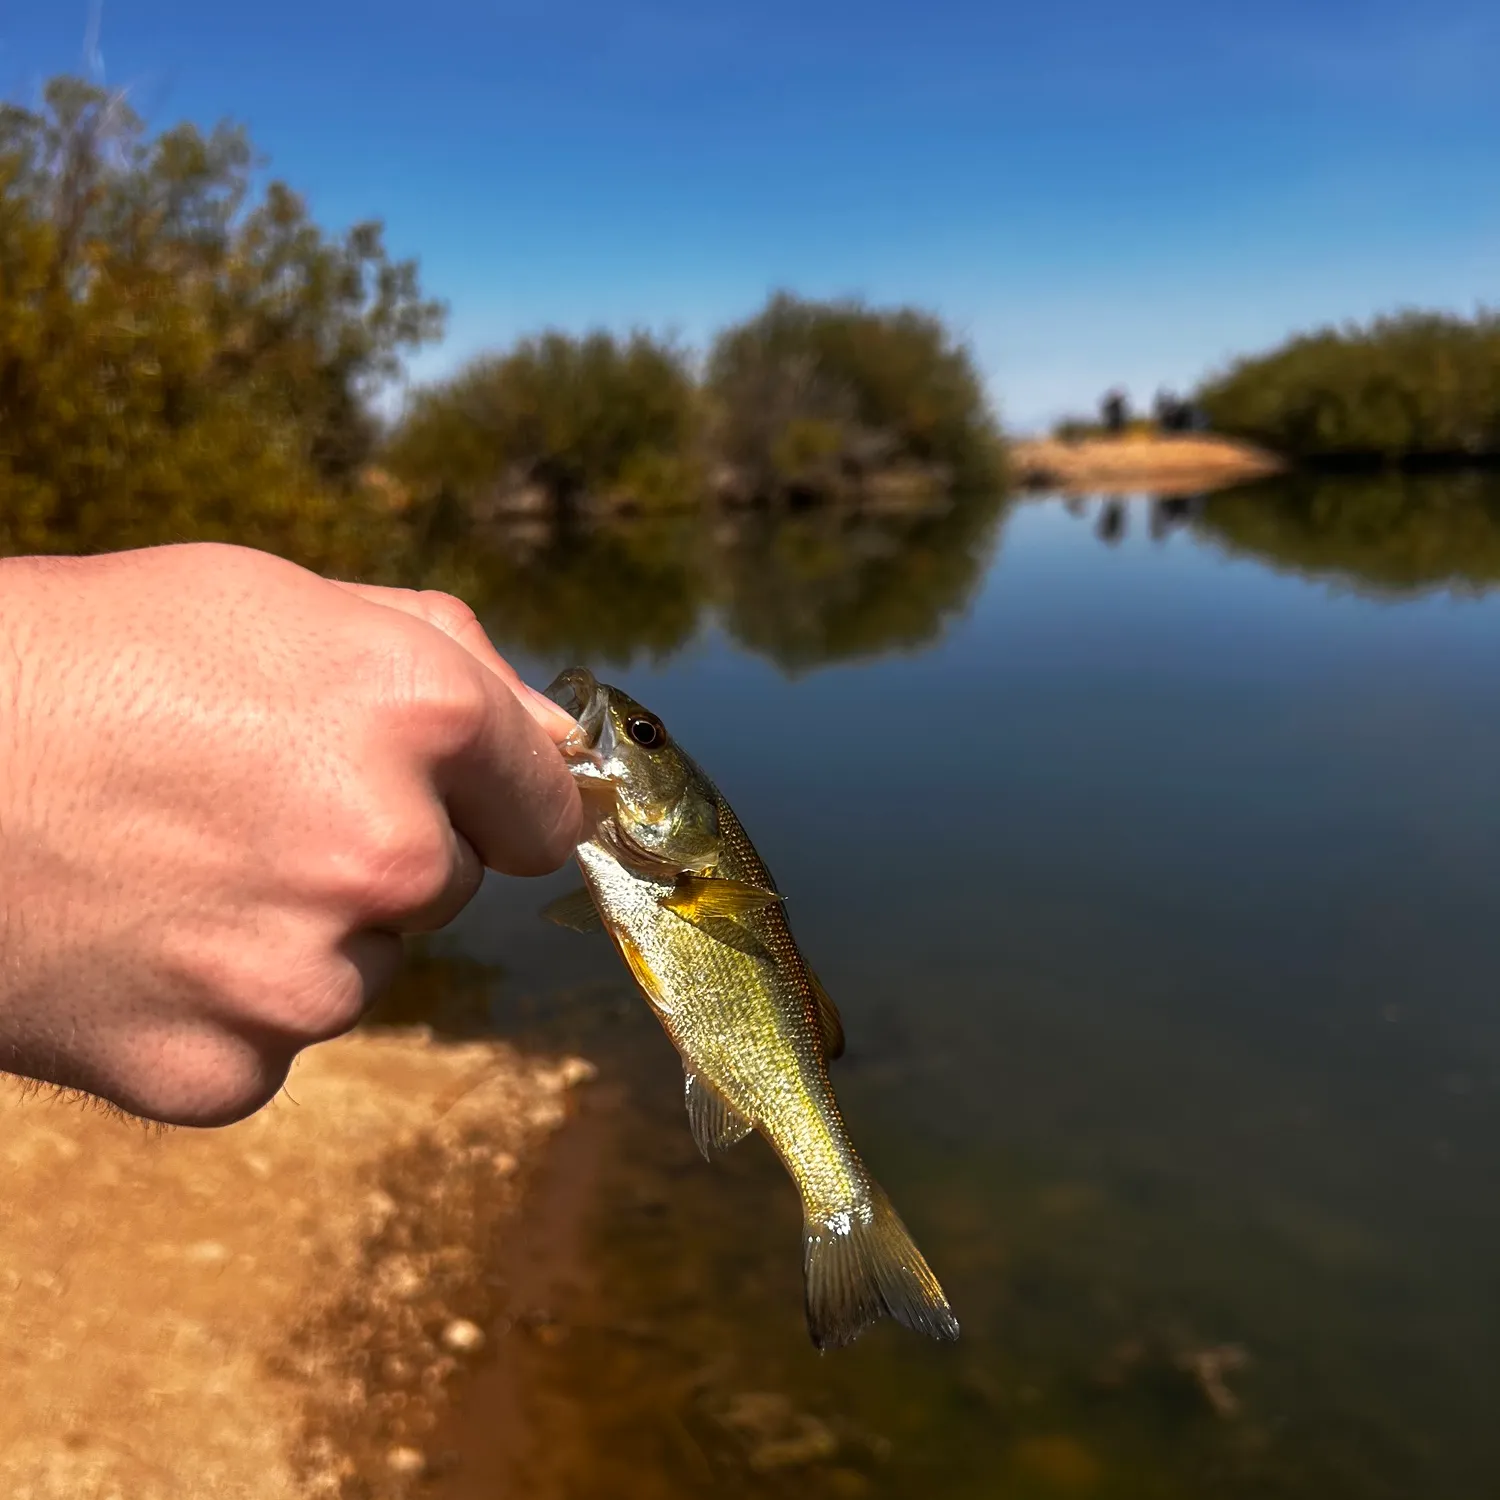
(860,1265)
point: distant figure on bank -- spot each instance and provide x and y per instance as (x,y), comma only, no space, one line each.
(1114,412)
(1172,414)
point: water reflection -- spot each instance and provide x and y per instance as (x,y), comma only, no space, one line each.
(606,593)
(1175,1039)
(1179,1055)
(800,589)
(825,587)
(1387,535)
(1112,521)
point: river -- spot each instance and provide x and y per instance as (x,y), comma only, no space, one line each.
(1150,852)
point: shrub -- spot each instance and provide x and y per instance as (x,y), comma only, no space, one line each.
(817,396)
(578,417)
(1413,385)
(177,356)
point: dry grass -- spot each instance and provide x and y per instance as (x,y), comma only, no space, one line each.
(1161,464)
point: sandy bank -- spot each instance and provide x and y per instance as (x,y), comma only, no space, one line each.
(266,1310)
(1162,465)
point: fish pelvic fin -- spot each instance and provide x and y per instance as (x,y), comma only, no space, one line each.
(715,1125)
(860,1265)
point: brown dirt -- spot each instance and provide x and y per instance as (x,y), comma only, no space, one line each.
(258,1311)
(1163,465)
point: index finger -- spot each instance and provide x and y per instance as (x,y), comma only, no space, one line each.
(459,623)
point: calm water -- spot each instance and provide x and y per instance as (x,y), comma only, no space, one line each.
(1151,855)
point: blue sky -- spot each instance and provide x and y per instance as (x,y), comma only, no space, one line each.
(1091,192)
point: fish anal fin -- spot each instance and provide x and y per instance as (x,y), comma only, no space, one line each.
(860,1265)
(716,1125)
(699,897)
(575,910)
(830,1023)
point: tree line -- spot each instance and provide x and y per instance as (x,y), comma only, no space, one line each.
(186,352)
(1412,386)
(181,354)
(805,401)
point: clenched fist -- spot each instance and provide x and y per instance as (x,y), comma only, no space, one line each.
(226,786)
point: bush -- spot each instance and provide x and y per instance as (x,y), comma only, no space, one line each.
(816,397)
(177,358)
(1411,386)
(577,417)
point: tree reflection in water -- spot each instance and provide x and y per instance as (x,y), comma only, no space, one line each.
(1389,535)
(799,588)
(829,586)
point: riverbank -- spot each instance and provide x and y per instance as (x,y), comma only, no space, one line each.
(1165,464)
(271,1310)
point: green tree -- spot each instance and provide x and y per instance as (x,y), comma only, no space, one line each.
(565,419)
(179,355)
(819,397)
(1415,385)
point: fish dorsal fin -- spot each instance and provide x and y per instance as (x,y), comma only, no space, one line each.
(575,910)
(830,1024)
(699,897)
(716,1127)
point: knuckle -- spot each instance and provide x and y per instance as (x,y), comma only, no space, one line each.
(456,711)
(327,1004)
(402,866)
(284,988)
(222,1081)
(304,997)
(431,694)
(446,612)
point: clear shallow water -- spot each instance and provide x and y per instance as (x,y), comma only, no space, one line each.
(1155,876)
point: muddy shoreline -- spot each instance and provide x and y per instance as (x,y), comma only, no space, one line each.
(649,1340)
(278,1308)
(492,1438)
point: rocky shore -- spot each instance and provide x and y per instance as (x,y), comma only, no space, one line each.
(275,1309)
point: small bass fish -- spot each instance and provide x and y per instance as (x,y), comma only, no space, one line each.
(679,888)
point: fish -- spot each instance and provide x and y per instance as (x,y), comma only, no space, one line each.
(672,878)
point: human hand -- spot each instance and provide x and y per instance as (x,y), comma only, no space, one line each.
(226,786)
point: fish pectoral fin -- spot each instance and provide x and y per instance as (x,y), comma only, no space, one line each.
(716,1125)
(576,910)
(830,1023)
(698,897)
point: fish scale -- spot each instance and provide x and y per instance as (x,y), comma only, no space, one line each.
(712,998)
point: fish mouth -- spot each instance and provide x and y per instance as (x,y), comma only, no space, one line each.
(582,696)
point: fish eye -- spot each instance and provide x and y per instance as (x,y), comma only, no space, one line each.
(647,733)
